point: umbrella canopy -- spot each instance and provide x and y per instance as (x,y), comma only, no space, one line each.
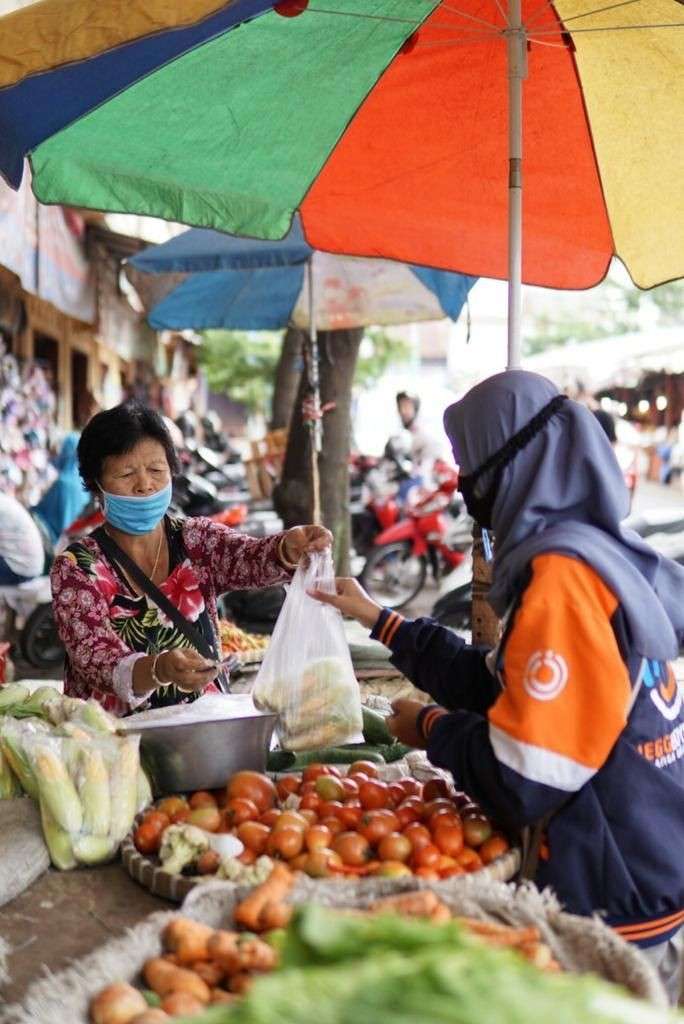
(250,285)
(383,121)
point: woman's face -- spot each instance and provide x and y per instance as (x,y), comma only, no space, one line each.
(140,472)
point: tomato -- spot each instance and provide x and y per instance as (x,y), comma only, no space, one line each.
(147,839)
(318,837)
(476,831)
(395,847)
(253,786)
(452,871)
(290,819)
(396,794)
(286,843)
(436,789)
(322,864)
(469,859)
(352,848)
(299,862)
(334,824)
(350,816)
(202,799)
(313,771)
(157,820)
(411,787)
(366,768)
(461,800)
(448,838)
(411,810)
(351,788)
(310,802)
(470,810)
(391,869)
(437,806)
(208,863)
(375,825)
(492,848)
(427,873)
(253,835)
(358,778)
(374,794)
(288,785)
(170,805)
(270,817)
(208,818)
(238,810)
(180,816)
(306,788)
(426,857)
(330,808)
(418,835)
(329,788)
(247,857)
(443,817)
(308,815)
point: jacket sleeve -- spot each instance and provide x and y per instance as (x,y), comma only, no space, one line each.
(564,703)
(438,662)
(234,560)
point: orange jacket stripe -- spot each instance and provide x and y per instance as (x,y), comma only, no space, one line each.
(566,687)
(393,628)
(388,622)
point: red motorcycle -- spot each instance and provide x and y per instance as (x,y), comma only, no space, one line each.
(397,567)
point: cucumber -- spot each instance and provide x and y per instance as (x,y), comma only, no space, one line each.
(286,760)
(375,729)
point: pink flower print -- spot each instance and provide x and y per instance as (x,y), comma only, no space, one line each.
(182,589)
(117,612)
(106,580)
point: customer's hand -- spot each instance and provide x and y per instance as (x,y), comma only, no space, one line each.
(186,669)
(403,722)
(305,540)
(352,600)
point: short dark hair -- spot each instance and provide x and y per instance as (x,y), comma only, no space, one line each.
(117,431)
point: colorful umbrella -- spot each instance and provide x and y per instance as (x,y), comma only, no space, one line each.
(385,122)
(241,284)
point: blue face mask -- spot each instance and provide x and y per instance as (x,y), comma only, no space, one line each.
(136,515)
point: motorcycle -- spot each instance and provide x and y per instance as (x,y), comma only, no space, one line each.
(397,566)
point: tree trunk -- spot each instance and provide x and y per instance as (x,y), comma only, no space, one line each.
(293,497)
(288,374)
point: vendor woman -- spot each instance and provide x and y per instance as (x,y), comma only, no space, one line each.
(121,648)
(574,724)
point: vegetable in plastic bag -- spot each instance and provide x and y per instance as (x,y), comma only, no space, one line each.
(9,783)
(306,676)
(10,695)
(123,781)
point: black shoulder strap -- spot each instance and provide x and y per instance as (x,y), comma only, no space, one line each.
(183,625)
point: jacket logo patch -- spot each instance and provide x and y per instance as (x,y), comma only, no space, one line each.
(546,675)
(660,681)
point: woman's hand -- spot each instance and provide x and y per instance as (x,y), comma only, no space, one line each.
(403,722)
(352,600)
(186,669)
(305,540)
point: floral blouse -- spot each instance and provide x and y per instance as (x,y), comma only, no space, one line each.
(105,626)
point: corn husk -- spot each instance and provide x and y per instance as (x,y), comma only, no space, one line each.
(124,786)
(12,747)
(13,693)
(9,783)
(94,792)
(92,850)
(36,704)
(56,789)
(93,716)
(145,796)
(57,841)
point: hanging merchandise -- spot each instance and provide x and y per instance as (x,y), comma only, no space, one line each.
(27,429)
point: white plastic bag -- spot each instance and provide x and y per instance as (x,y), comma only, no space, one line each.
(306,676)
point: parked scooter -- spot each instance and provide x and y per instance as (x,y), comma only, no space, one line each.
(397,567)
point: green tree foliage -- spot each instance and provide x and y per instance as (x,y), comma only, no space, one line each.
(242,365)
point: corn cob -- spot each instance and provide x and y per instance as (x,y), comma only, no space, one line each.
(11,747)
(92,850)
(37,704)
(94,717)
(57,841)
(124,787)
(13,693)
(94,793)
(9,784)
(58,791)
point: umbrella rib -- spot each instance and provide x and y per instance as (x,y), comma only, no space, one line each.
(491,26)
(609,28)
(470,17)
(586,14)
(501,11)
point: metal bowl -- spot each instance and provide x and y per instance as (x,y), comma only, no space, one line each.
(202,755)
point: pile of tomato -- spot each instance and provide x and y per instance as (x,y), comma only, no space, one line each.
(328,824)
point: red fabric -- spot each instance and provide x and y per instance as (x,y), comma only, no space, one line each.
(421,173)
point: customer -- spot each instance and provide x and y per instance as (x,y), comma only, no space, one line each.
(22,555)
(122,649)
(66,498)
(573,723)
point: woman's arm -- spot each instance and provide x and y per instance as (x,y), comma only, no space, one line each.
(234,560)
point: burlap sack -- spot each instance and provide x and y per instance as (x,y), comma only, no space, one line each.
(23,853)
(579,944)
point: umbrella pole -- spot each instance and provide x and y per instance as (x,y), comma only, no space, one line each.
(517,72)
(317,423)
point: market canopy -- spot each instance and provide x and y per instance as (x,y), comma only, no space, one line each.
(244,284)
(383,121)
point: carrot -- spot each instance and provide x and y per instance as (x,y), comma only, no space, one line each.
(276,915)
(155,1015)
(441,914)
(500,933)
(537,953)
(210,972)
(117,1004)
(421,903)
(273,890)
(223,950)
(256,955)
(182,1004)
(240,984)
(164,979)
(219,995)
(187,940)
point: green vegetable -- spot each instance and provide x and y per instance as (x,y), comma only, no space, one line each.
(57,791)
(94,717)
(9,784)
(124,787)
(36,704)
(151,998)
(375,729)
(181,846)
(57,841)
(94,792)
(284,760)
(92,850)
(13,749)
(11,694)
